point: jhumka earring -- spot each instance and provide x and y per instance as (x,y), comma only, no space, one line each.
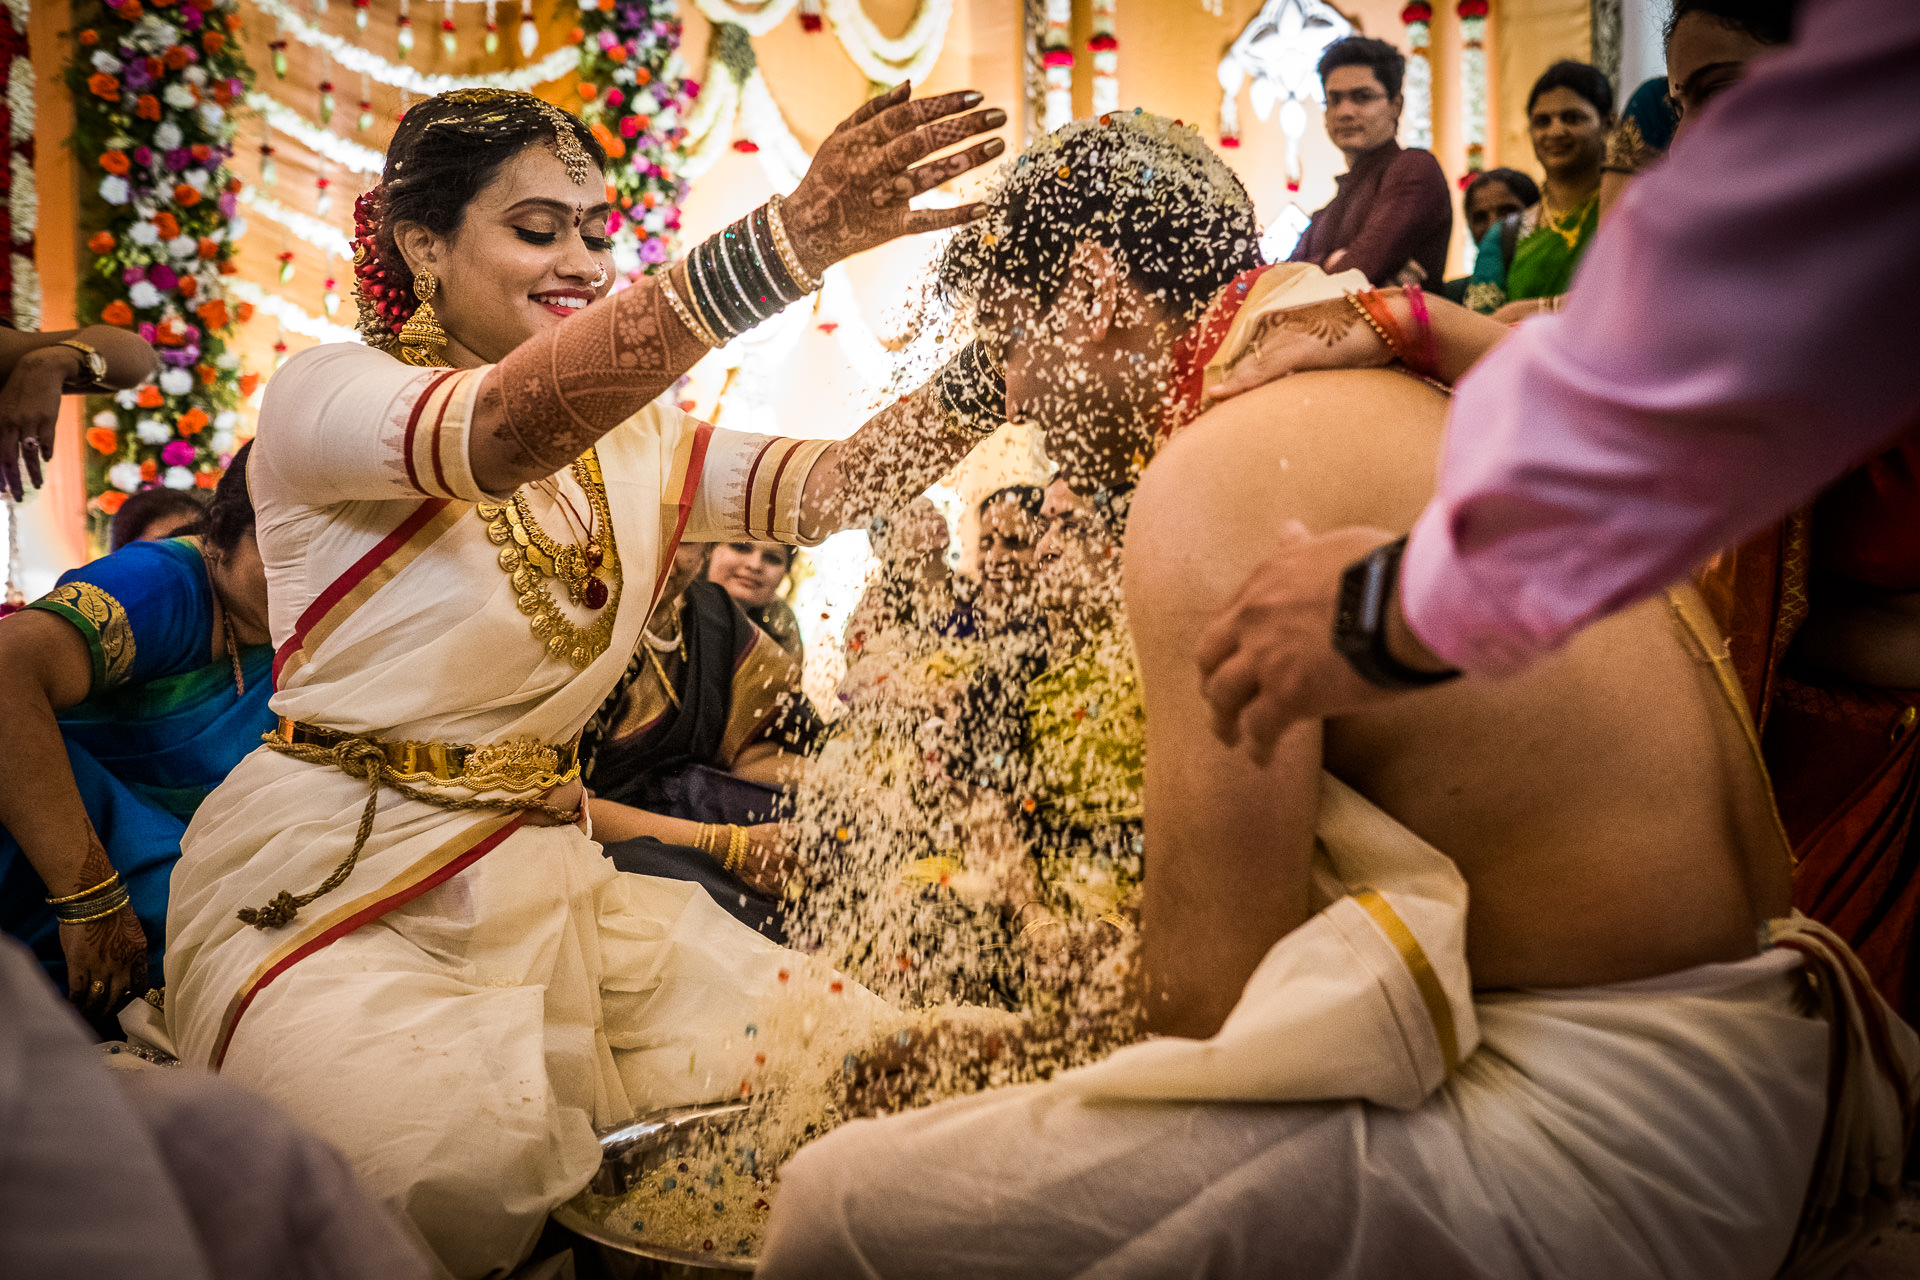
(422,341)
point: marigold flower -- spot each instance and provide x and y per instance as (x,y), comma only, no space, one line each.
(148,108)
(605,137)
(588,91)
(642,76)
(177,57)
(89,36)
(100,242)
(117,311)
(185,196)
(207,479)
(103,439)
(213,313)
(192,422)
(207,374)
(149,397)
(131,11)
(110,501)
(233,22)
(213,42)
(166,224)
(209,248)
(188,286)
(245,312)
(149,471)
(249,383)
(103,85)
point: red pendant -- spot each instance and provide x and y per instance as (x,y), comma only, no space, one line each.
(596,594)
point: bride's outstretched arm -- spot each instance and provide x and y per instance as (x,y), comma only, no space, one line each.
(554,395)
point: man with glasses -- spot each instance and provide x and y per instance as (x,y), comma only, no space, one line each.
(1393,214)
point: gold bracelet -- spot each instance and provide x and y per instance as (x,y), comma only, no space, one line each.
(694,324)
(784,247)
(1373,324)
(121,903)
(737,846)
(108,883)
(705,841)
(1037,925)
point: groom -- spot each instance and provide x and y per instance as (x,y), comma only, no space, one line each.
(1599,1071)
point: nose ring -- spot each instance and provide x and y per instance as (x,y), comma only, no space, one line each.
(602,279)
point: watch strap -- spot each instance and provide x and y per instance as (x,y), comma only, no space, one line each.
(1360,622)
(92,362)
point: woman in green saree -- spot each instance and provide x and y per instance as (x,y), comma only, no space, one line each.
(1531,257)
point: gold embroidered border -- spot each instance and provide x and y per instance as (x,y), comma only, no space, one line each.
(103,621)
(1432,993)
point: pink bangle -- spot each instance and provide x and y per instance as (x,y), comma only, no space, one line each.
(1428,359)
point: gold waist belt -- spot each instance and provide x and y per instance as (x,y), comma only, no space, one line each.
(519,764)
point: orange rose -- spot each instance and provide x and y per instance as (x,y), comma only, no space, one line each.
(117,312)
(149,471)
(245,312)
(249,382)
(207,374)
(233,22)
(207,479)
(616,148)
(200,151)
(149,397)
(148,108)
(192,422)
(213,313)
(103,439)
(222,95)
(110,501)
(185,196)
(642,77)
(105,86)
(115,162)
(209,248)
(213,42)
(588,91)
(234,185)
(188,286)
(131,11)
(166,224)
(177,57)
(101,242)
(604,136)
(156,68)
(229,268)
(169,334)
(89,36)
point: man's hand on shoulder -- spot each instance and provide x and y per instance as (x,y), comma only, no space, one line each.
(1269,659)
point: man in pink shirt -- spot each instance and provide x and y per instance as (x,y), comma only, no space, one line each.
(1734,343)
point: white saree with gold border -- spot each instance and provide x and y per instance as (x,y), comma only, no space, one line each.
(478,996)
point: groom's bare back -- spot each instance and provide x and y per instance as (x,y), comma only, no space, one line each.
(1603,807)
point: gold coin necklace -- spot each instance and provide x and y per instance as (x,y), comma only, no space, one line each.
(1556,222)
(589,570)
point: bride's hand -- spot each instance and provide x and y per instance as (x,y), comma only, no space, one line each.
(855,194)
(1319,335)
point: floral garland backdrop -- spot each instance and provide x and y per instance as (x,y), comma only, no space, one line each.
(153,92)
(635,97)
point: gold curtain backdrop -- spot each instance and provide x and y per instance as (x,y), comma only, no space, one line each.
(1168,56)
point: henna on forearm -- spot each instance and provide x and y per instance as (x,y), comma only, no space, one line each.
(1328,321)
(557,393)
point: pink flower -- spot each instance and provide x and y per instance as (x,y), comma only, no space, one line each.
(162,277)
(177,453)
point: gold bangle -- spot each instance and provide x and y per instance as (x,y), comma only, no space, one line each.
(784,247)
(1373,324)
(108,883)
(737,845)
(1037,925)
(118,907)
(694,324)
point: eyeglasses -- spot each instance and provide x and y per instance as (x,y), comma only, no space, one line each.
(1358,97)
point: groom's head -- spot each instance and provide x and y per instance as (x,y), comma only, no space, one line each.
(1103,243)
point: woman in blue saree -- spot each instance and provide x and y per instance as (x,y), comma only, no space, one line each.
(126,694)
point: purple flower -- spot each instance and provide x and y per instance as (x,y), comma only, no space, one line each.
(161,277)
(234,86)
(190,19)
(653,252)
(179,158)
(229,204)
(143,156)
(180,357)
(133,275)
(135,75)
(177,453)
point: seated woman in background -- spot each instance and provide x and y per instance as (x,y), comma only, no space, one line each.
(1531,257)
(753,573)
(1492,196)
(687,757)
(126,694)
(1639,141)
(1009,528)
(152,514)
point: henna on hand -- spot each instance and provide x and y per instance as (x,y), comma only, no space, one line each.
(855,194)
(1328,321)
(112,949)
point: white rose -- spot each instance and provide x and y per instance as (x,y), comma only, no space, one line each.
(211,116)
(152,431)
(145,233)
(143,296)
(166,136)
(107,418)
(177,478)
(128,399)
(177,96)
(221,442)
(197,179)
(183,246)
(226,420)
(236,228)
(194,75)
(229,360)
(124,476)
(176,382)
(104,61)
(114,190)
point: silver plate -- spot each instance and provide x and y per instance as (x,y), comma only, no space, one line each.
(628,1154)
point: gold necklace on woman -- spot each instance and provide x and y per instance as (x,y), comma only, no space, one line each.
(530,557)
(1555,222)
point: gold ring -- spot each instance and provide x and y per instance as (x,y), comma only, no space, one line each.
(98,989)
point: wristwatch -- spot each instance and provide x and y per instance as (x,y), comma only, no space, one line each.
(1360,622)
(94,363)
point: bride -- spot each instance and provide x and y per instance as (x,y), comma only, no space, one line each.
(393,919)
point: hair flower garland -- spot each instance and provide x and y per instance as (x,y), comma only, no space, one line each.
(152,98)
(636,98)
